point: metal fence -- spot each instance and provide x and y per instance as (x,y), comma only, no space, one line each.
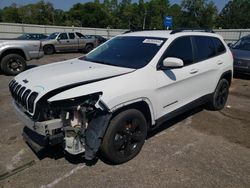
(11,30)
(232,35)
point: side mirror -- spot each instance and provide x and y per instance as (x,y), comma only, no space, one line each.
(172,62)
(230,45)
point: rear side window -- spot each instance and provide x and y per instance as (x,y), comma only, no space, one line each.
(181,48)
(219,46)
(71,35)
(80,35)
(204,48)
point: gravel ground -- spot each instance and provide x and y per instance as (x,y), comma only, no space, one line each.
(198,149)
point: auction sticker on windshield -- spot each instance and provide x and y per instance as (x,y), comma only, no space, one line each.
(153,41)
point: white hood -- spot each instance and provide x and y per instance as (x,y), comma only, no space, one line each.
(49,77)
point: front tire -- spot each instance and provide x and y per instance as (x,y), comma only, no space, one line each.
(125,136)
(13,64)
(219,98)
(48,49)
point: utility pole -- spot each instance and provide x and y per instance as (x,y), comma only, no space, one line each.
(144,20)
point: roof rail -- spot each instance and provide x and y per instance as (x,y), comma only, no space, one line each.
(191,30)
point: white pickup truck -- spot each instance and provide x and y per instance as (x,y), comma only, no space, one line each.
(15,53)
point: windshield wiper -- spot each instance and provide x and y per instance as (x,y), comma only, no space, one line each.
(96,61)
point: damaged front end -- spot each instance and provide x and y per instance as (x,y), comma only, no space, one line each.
(78,124)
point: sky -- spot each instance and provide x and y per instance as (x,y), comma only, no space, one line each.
(67,4)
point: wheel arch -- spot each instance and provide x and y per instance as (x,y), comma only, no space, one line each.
(143,105)
(13,51)
(228,75)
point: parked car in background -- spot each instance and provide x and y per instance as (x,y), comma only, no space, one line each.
(100,39)
(241,53)
(68,41)
(15,53)
(32,36)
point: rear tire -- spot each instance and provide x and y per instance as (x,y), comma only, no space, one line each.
(220,95)
(48,49)
(13,64)
(125,136)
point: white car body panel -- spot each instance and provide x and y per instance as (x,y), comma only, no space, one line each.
(163,90)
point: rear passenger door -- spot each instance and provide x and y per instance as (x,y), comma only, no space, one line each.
(73,42)
(206,62)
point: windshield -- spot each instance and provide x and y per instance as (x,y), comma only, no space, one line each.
(126,51)
(242,44)
(53,36)
(26,36)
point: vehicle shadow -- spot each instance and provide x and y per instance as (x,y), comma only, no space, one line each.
(167,124)
(242,76)
(31,66)
(58,152)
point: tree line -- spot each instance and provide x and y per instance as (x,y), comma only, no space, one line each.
(126,14)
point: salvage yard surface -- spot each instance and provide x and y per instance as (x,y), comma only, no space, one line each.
(198,149)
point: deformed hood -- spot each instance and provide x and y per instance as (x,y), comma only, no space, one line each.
(52,76)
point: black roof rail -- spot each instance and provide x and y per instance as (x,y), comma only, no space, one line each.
(191,30)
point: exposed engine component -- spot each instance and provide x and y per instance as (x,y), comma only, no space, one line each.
(84,126)
(74,143)
(74,126)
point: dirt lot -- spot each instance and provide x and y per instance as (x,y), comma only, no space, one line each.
(198,149)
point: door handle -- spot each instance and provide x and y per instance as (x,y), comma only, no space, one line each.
(67,41)
(193,71)
(219,62)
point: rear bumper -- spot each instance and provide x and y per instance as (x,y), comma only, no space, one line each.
(40,134)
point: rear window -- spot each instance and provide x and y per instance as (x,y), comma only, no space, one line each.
(219,46)
(71,35)
(204,48)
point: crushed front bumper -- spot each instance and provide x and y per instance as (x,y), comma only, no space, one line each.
(39,134)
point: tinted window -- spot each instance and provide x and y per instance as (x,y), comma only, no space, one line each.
(71,35)
(181,48)
(242,44)
(204,48)
(125,51)
(80,35)
(63,36)
(53,36)
(219,46)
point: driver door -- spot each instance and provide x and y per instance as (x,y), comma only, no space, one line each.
(63,43)
(177,86)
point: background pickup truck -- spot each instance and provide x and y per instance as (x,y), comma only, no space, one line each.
(71,41)
(15,53)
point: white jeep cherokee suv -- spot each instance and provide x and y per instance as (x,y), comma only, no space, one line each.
(111,98)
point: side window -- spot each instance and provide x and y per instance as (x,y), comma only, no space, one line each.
(181,48)
(204,48)
(80,35)
(63,36)
(219,46)
(71,35)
